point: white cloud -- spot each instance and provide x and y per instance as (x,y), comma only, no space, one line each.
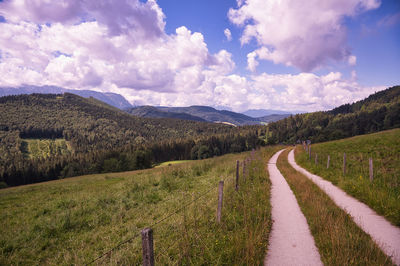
(123,17)
(146,65)
(304,91)
(352,60)
(252,62)
(120,45)
(228,35)
(304,34)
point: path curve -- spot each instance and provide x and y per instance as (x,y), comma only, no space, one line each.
(290,242)
(386,235)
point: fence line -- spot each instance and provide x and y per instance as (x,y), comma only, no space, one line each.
(225,181)
(154,224)
(347,165)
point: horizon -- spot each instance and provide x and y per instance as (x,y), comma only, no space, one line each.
(238,55)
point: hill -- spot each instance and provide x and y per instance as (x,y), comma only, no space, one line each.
(272,118)
(99,138)
(203,113)
(153,112)
(113,99)
(255,113)
(75,220)
(379,111)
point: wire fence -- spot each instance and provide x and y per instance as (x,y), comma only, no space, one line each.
(347,164)
(169,237)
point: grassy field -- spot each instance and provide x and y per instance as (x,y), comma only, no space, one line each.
(339,240)
(383,194)
(43,148)
(169,163)
(73,221)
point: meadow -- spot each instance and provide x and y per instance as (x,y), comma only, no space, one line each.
(44,148)
(382,193)
(97,218)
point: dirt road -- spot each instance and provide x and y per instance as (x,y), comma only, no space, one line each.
(291,242)
(382,232)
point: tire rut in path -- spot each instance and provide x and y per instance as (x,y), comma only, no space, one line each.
(290,242)
(385,235)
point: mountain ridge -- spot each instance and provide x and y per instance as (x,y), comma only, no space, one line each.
(110,98)
(204,113)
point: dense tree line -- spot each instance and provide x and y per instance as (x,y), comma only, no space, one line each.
(102,138)
(380,111)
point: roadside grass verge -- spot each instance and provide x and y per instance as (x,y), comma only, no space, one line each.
(339,240)
(383,194)
(73,221)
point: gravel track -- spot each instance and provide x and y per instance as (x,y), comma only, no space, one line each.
(386,235)
(291,242)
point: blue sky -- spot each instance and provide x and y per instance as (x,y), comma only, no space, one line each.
(288,54)
(377,46)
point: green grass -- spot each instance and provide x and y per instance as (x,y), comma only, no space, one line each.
(74,220)
(383,194)
(339,240)
(43,148)
(169,163)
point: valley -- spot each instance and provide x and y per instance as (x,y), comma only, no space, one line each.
(97,213)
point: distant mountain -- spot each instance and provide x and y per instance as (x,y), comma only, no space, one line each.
(272,118)
(255,113)
(113,99)
(202,113)
(154,112)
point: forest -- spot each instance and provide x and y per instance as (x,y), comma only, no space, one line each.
(101,138)
(379,111)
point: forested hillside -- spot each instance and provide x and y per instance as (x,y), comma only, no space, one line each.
(154,112)
(110,98)
(378,112)
(99,138)
(203,113)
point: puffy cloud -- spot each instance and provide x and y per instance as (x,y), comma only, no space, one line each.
(304,34)
(352,60)
(45,42)
(252,62)
(132,17)
(304,91)
(307,91)
(228,35)
(81,47)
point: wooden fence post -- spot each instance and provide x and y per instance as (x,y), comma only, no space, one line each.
(147,247)
(371,170)
(244,170)
(316,158)
(328,161)
(237,176)
(220,198)
(344,163)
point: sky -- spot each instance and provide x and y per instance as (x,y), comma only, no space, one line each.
(307,55)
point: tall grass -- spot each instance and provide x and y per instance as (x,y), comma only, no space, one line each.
(339,240)
(73,221)
(383,194)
